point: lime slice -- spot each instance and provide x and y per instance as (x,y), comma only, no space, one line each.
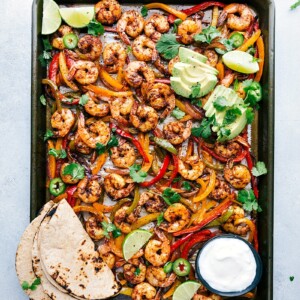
(240,61)
(186,290)
(134,241)
(77,17)
(51,17)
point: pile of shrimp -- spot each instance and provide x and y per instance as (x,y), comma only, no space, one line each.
(108,98)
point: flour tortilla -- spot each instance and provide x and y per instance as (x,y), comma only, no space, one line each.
(24,267)
(68,255)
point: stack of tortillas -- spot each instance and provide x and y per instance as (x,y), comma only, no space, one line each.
(56,248)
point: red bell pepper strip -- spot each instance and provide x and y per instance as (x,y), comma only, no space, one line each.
(53,68)
(255,239)
(160,174)
(253,178)
(198,237)
(180,242)
(175,170)
(70,192)
(194,9)
(135,142)
(213,214)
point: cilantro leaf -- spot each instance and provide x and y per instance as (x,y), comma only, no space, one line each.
(84,99)
(207,35)
(47,45)
(256,59)
(48,134)
(196,102)
(43,99)
(292,277)
(195,90)
(246,84)
(259,169)
(249,115)
(176,179)
(137,174)
(25,285)
(128,49)
(223,132)
(110,227)
(295,5)
(95,28)
(100,148)
(168,46)
(228,43)
(137,271)
(45,58)
(204,130)
(113,142)
(186,185)
(247,198)
(144,11)
(236,85)
(160,219)
(177,113)
(221,103)
(251,50)
(177,22)
(170,196)
(58,153)
(33,286)
(231,115)
(75,170)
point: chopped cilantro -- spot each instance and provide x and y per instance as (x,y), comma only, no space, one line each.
(160,219)
(204,130)
(137,271)
(292,277)
(168,46)
(247,198)
(47,45)
(207,35)
(196,102)
(170,196)
(231,115)
(75,170)
(128,49)
(95,28)
(177,113)
(84,99)
(43,99)
(58,153)
(45,58)
(223,132)
(249,115)
(110,227)
(113,142)
(236,85)
(221,103)
(48,134)
(195,90)
(33,286)
(186,185)
(251,50)
(177,22)
(137,174)
(259,169)
(144,11)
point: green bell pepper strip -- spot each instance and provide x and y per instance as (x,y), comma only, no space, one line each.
(165,145)
(135,201)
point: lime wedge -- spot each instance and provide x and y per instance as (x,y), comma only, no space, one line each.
(51,17)
(77,17)
(240,61)
(134,241)
(186,290)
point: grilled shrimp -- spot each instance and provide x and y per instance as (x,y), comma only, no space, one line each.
(239,23)
(191,168)
(106,254)
(241,229)
(143,291)
(123,156)
(187,29)
(155,26)
(220,191)
(89,190)
(124,221)
(57,41)
(114,57)
(178,216)
(238,175)
(228,149)
(118,187)
(89,47)
(67,178)
(121,107)
(153,203)
(80,146)
(157,252)
(85,72)
(176,132)
(97,132)
(171,64)
(143,117)
(131,23)
(130,273)
(161,96)
(158,278)
(94,228)
(143,48)
(96,109)
(62,121)
(108,11)
(212,57)
(138,72)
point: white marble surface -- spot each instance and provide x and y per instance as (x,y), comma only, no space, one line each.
(15,43)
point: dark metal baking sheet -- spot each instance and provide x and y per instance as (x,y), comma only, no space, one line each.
(262,137)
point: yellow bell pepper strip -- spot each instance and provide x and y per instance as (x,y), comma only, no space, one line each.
(105,92)
(117,207)
(250,224)
(135,201)
(217,167)
(103,208)
(51,162)
(261,56)
(221,69)
(145,142)
(119,242)
(145,220)
(126,291)
(56,93)
(156,5)
(197,217)
(112,82)
(210,216)
(215,16)
(64,71)
(60,197)
(100,161)
(171,290)
(250,41)
(90,209)
(208,190)
(186,118)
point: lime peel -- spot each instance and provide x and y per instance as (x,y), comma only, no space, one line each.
(77,17)
(186,290)
(51,17)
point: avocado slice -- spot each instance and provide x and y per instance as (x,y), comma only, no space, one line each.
(180,87)
(206,68)
(179,67)
(185,53)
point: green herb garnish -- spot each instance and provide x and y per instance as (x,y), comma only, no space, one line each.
(259,169)
(160,219)
(33,286)
(48,134)
(84,99)
(144,11)
(177,113)
(137,174)
(249,201)
(58,153)
(168,46)
(95,28)
(207,35)
(221,103)
(75,170)
(43,99)
(170,196)
(110,227)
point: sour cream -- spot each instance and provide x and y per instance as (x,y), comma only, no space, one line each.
(227,265)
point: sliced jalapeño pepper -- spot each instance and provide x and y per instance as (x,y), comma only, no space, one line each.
(181,267)
(237,39)
(168,267)
(70,41)
(57,186)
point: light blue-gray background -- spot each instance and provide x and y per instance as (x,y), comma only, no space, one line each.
(15,67)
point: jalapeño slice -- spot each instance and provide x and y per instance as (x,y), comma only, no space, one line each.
(57,186)
(237,39)
(181,267)
(70,40)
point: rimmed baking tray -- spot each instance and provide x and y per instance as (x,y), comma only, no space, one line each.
(262,133)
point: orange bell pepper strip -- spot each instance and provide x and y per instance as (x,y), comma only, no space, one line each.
(51,162)
(101,159)
(211,185)
(58,145)
(250,41)
(221,69)
(112,82)
(65,71)
(261,56)
(251,226)
(145,142)
(156,5)
(101,91)
(60,197)
(181,106)
(103,208)
(90,209)
(172,289)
